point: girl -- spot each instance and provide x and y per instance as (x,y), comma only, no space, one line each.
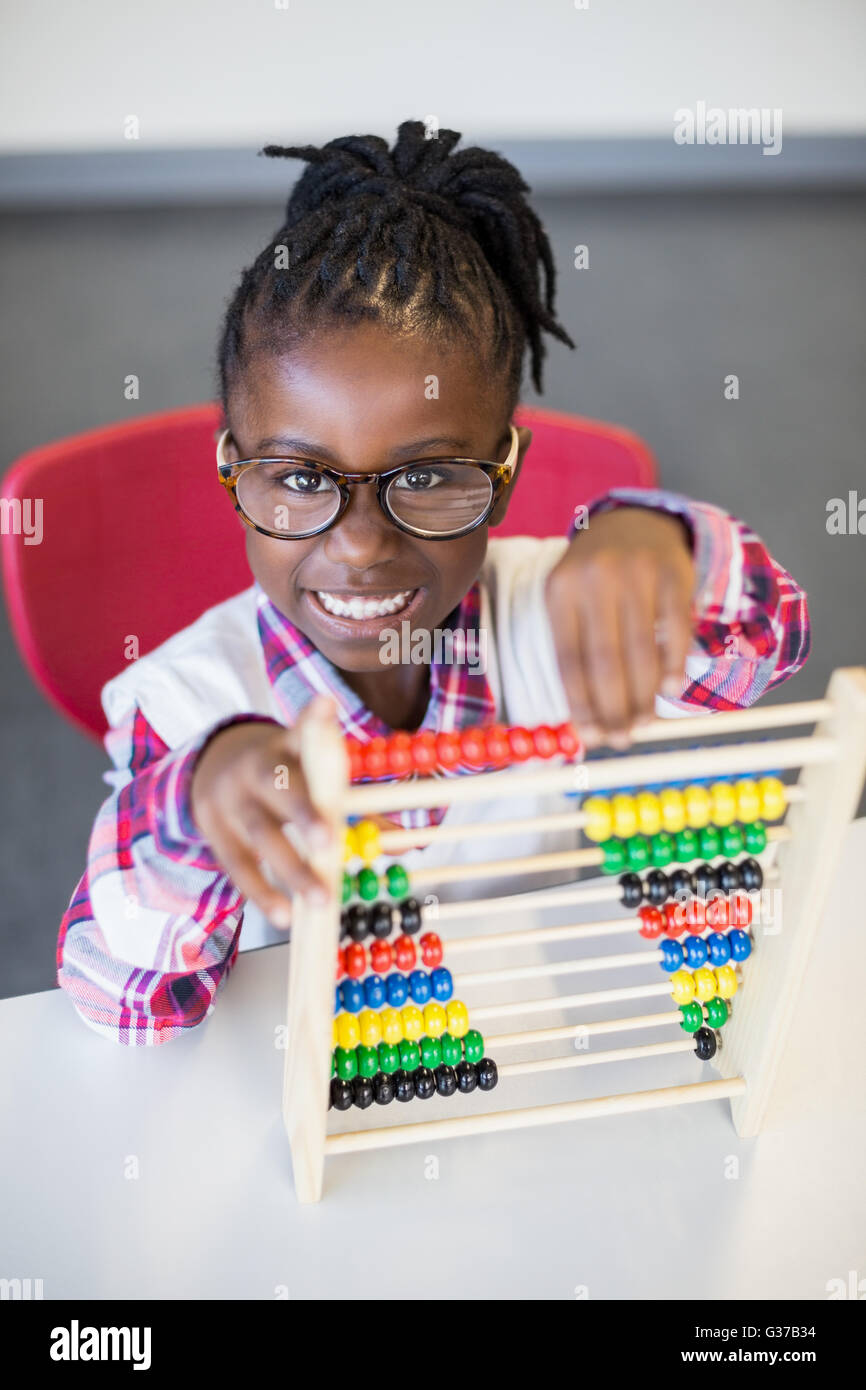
(370,363)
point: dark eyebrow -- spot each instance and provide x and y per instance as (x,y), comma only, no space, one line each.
(305,447)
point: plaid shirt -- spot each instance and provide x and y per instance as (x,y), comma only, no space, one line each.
(153,927)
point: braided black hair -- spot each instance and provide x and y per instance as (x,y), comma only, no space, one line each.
(415,236)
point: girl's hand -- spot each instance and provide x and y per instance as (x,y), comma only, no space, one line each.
(620,608)
(247,784)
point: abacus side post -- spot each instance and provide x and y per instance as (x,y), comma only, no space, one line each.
(315,935)
(756,1036)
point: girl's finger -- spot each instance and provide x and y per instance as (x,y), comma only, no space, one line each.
(674,629)
(638,615)
(604,661)
(239,861)
(269,843)
(565,624)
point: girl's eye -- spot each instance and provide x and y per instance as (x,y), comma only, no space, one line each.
(421,479)
(304,482)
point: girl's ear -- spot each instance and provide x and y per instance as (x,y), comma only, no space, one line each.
(498,514)
(227,450)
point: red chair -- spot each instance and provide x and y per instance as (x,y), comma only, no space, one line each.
(122,558)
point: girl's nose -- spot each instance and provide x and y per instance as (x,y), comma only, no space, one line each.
(363,536)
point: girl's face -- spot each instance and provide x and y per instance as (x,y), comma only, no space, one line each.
(357,399)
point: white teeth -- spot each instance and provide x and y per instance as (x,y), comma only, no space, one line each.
(359,608)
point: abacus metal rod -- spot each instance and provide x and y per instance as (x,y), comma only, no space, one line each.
(604,774)
(531,1036)
(590,1059)
(427,1131)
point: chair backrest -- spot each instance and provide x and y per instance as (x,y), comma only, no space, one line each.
(121,564)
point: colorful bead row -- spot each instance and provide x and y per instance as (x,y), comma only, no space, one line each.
(392,1025)
(355,960)
(695,807)
(366,1060)
(703,984)
(367,884)
(394,990)
(408,1085)
(695,915)
(702,882)
(424,752)
(717,1011)
(639,852)
(360,920)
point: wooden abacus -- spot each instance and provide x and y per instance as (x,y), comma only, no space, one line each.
(804,851)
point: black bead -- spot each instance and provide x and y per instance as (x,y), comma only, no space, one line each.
(632,890)
(362,1092)
(383,1088)
(446,1081)
(680,881)
(425,1083)
(488,1073)
(342,1095)
(729,876)
(751,875)
(656,887)
(410,916)
(404,1085)
(357,918)
(381,920)
(705,880)
(467,1077)
(705,1044)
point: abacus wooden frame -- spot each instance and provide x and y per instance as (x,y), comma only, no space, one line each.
(832,760)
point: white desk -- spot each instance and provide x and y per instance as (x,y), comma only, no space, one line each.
(634,1206)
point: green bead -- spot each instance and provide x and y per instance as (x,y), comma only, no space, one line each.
(367,884)
(368,1060)
(718,1013)
(452,1050)
(732,840)
(686,842)
(347,886)
(473,1046)
(637,853)
(333,1065)
(662,848)
(397,880)
(347,1062)
(410,1055)
(693,1016)
(709,842)
(431,1052)
(389,1057)
(755,836)
(614,856)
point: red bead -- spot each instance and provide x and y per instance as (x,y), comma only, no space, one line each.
(696,915)
(381,957)
(718,911)
(675,919)
(741,910)
(520,743)
(431,948)
(404,953)
(399,754)
(496,743)
(448,749)
(567,740)
(472,747)
(356,761)
(356,960)
(341,963)
(376,757)
(544,741)
(423,750)
(651,922)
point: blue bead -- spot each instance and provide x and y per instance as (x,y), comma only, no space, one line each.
(720,951)
(337,1004)
(374,991)
(443,985)
(352,993)
(398,989)
(672,955)
(696,952)
(420,987)
(740,943)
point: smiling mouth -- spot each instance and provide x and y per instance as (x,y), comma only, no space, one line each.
(359,607)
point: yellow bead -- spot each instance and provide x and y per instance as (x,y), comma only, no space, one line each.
(748,800)
(724,803)
(599,825)
(348,1032)
(726,980)
(682,987)
(458,1018)
(624,816)
(649,816)
(392,1026)
(673,810)
(705,984)
(435,1020)
(335,1033)
(350,844)
(369,840)
(699,807)
(413,1022)
(774,798)
(370,1025)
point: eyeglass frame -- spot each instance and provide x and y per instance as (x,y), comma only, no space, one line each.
(499,474)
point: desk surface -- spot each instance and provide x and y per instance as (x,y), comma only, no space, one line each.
(632,1206)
